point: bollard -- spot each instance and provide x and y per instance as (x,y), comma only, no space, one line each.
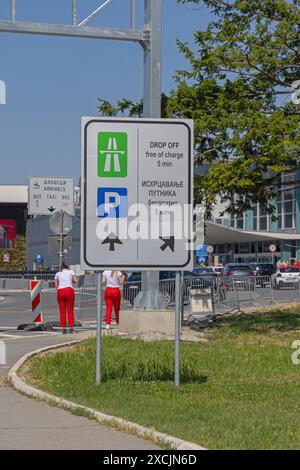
(35,293)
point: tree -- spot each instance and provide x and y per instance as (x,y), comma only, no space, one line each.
(129,108)
(238,90)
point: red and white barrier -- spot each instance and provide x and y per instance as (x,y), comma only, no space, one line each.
(35,293)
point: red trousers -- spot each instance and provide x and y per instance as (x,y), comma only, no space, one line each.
(112,299)
(66,299)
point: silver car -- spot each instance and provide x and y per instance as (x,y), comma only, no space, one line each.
(240,275)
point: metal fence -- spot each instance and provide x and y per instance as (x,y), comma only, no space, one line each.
(20,281)
(87,303)
(28,276)
(238,294)
(228,294)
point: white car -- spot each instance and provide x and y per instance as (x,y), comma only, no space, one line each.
(286,276)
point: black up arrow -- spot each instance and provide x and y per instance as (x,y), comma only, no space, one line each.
(51,209)
(112,239)
(168,243)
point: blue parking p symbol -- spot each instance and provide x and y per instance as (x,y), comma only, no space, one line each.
(112,203)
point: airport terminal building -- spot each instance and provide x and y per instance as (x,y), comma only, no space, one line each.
(248,237)
(241,239)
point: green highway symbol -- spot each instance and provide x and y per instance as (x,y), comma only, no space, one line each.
(112,154)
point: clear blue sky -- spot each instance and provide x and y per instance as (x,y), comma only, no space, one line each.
(52,82)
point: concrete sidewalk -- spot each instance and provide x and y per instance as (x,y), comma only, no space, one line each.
(29,424)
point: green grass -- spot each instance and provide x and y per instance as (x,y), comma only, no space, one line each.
(239,391)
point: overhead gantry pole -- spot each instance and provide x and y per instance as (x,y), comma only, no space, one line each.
(150,39)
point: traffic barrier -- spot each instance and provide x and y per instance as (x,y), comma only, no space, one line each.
(229,294)
(35,293)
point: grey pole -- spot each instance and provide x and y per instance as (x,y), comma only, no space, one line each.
(177,328)
(61,237)
(150,298)
(99,327)
(182,296)
(152,59)
(13,10)
(133,14)
(74,12)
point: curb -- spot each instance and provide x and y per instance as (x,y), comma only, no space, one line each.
(101,418)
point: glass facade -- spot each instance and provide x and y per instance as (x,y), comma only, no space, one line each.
(286,203)
(260,218)
(286,211)
(257,219)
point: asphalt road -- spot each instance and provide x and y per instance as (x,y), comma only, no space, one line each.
(16,308)
(29,424)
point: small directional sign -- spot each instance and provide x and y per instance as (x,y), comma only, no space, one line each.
(6,258)
(50,194)
(137,194)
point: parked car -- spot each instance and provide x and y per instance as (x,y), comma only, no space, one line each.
(133,284)
(208,271)
(263,273)
(237,270)
(286,276)
(241,275)
(262,269)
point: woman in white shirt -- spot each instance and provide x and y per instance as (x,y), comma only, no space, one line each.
(113,280)
(66,296)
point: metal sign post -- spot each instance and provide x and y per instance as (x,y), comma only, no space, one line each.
(137,200)
(272,249)
(54,245)
(60,223)
(61,255)
(177,328)
(99,327)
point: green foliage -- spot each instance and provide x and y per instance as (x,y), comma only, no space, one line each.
(238,91)
(237,88)
(126,107)
(17,256)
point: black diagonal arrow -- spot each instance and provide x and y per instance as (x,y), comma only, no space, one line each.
(51,209)
(169,242)
(112,239)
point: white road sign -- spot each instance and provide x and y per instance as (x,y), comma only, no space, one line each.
(137,193)
(50,194)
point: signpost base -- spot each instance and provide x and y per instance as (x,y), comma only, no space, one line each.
(150,298)
(152,322)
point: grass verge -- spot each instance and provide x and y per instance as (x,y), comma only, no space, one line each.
(239,391)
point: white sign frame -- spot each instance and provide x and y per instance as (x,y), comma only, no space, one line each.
(48,199)
(181,127)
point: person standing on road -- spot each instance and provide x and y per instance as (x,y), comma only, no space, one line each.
(64,280)
(113,281)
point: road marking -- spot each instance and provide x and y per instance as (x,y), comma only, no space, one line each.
(6,337)
(3,335)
